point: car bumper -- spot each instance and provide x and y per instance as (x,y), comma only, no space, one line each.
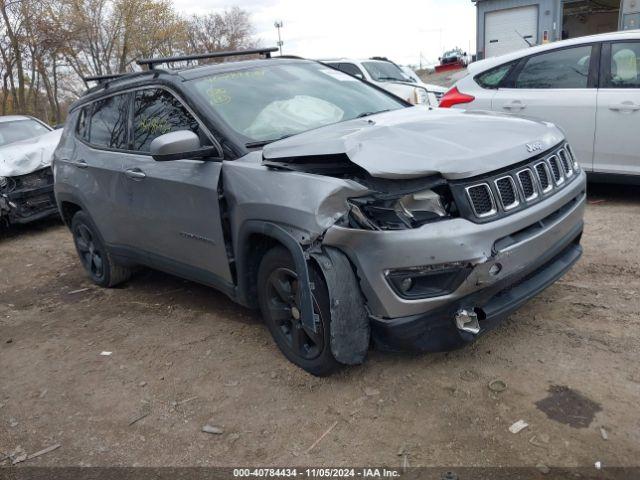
(436,331)
(515,244)
(28,205)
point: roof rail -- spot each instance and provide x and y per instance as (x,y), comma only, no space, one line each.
(103,78)
(151,62)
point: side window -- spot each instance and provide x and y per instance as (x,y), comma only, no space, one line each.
(625,65)
(566,68)
(157,112)
(351,69)
(494,77)
(108,123)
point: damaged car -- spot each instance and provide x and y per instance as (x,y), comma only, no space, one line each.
(26,179)
(345,214)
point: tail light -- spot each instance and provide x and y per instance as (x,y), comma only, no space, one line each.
(455,97)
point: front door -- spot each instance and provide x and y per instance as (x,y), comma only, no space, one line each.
(559,87)
(617,148)
(175,211)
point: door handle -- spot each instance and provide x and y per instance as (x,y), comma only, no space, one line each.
(516,105)
(135,174)
(625,107)
(80,164)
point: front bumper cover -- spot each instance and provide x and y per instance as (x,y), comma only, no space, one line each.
(436,331)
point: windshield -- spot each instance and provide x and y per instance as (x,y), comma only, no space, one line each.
(413,77)
(385,72)
(269,103)
(17,130)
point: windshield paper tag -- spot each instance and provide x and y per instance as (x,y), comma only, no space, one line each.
(343,77)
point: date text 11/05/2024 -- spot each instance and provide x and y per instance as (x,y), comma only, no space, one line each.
(316,472)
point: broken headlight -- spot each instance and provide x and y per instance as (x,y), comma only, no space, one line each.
(400,213)
(7,184)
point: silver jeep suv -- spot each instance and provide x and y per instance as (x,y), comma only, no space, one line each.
(345,214)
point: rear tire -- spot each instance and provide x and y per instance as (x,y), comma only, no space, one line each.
(278,296)
(93,254)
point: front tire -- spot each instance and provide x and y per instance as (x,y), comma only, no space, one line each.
(93,254)
(279,299)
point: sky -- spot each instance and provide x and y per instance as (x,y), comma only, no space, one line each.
(403,30)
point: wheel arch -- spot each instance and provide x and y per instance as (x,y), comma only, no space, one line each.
(69,205)
(256,237)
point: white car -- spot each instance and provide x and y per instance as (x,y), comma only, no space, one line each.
(588,86)
(437,90)
(386,75)
(26,179)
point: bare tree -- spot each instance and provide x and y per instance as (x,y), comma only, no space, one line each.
(48,46)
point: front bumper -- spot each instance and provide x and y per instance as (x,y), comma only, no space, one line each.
(28,204)
(436,331)
(515,244)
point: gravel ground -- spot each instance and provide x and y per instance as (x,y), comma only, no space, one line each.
(184,356)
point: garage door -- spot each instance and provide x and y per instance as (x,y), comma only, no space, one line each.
(505,29)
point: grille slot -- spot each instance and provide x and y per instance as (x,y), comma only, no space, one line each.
(572,157)
(507,192)
(566,163)
(543,177)
(556,169)
(481,200)
(527,184)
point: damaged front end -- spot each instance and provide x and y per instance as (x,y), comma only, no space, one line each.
(26,198)
(434,270)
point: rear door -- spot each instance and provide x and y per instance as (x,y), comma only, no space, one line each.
(95,166)
(509,30)
(175,211)
(617,147)
(557,86)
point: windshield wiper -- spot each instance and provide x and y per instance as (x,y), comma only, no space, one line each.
(262,143)
(367,114)
(391,79)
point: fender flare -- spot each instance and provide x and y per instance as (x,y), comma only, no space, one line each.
(62,197)
(277,232)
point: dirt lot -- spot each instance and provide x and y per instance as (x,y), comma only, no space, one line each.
(188,356)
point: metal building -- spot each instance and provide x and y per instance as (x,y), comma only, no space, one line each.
(507,25)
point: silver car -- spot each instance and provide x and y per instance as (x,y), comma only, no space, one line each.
(345,214)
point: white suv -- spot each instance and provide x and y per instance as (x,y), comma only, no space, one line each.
(389,76)
(588,86)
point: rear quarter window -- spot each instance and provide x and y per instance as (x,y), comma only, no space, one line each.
(493,78)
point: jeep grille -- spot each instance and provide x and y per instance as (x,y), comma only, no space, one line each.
(499,193)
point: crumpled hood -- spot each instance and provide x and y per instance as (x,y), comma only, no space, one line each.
(26,156)
(416,142)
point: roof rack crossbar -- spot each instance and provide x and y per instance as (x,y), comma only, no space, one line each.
(102,78)
(150,62)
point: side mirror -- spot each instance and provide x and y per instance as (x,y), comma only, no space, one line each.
(180,145)
(359,75)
